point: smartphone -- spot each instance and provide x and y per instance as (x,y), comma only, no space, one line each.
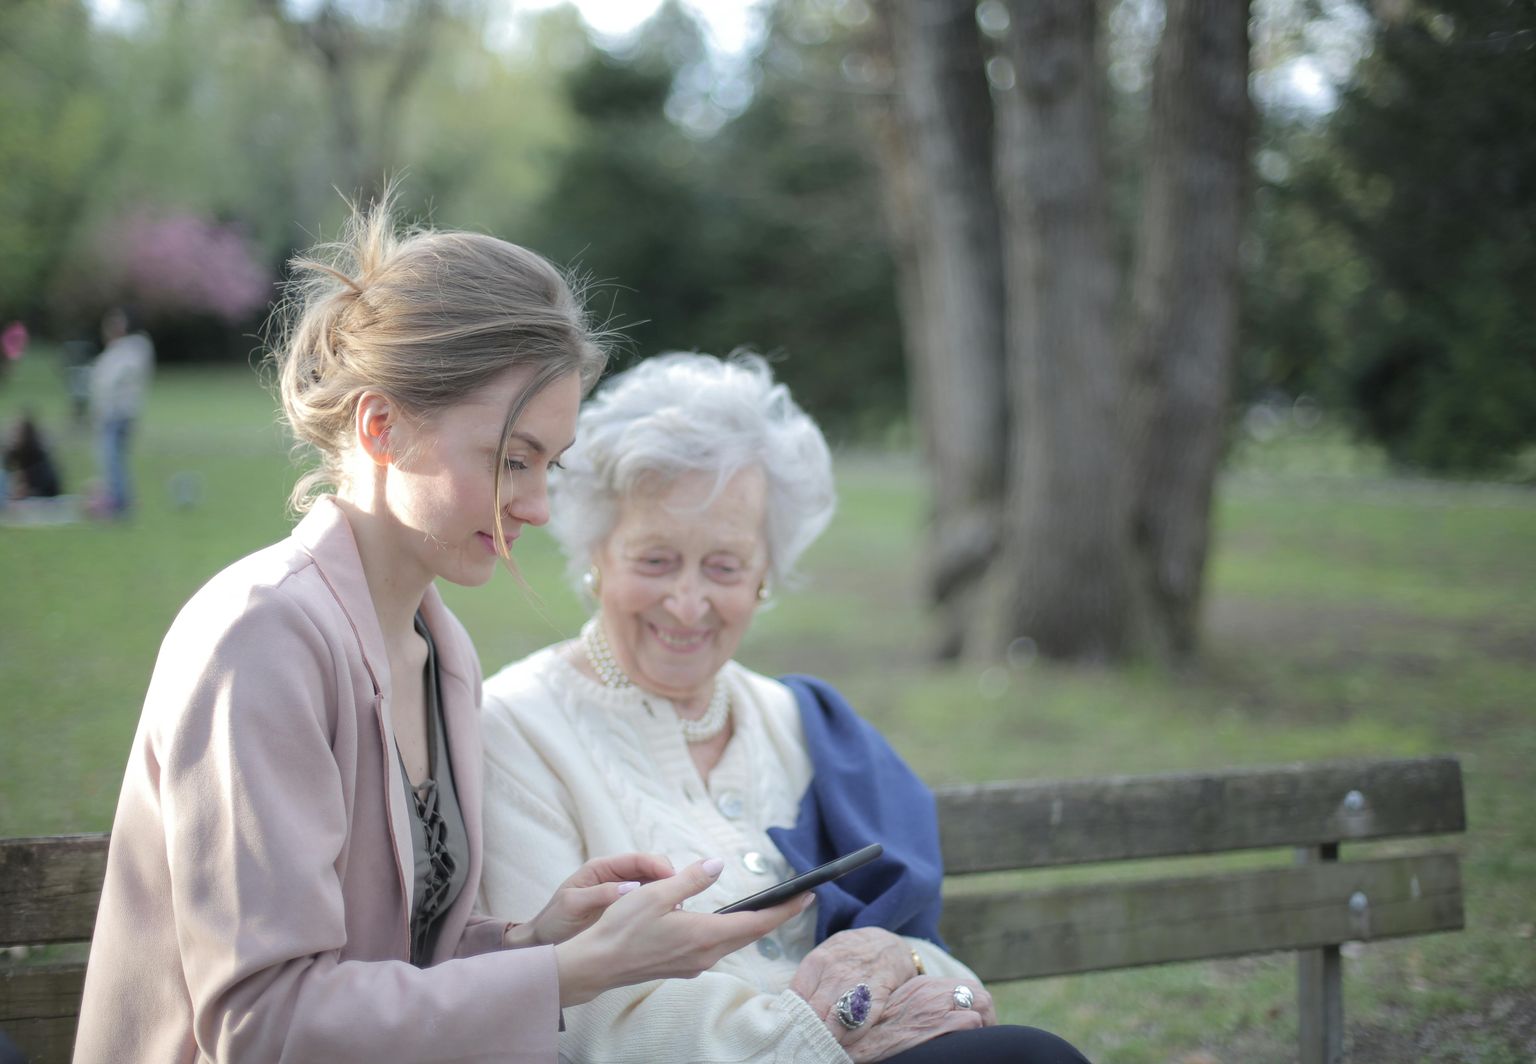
(764,899)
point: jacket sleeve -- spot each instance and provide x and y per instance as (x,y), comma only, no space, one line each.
(531,845)
(256,818)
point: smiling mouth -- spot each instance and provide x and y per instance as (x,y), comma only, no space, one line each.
(691,641)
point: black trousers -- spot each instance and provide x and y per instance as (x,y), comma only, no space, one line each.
(1002,1044)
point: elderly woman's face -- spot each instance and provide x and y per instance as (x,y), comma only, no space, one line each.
(680,581)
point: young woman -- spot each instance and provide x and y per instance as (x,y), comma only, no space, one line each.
(297,846)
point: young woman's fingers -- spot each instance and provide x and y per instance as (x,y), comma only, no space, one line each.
(672,891)
(618,868)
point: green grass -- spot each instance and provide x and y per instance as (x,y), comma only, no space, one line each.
(1350,614)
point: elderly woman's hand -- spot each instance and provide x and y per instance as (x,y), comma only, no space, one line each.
(918,1010)
(583,897)
(869,955)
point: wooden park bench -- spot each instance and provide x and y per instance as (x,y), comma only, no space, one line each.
(49,886)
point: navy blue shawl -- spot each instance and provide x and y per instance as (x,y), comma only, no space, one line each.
(862,792)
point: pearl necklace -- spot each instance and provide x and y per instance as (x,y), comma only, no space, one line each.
(705,728)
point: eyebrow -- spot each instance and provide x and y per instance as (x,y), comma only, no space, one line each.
(533,442)
(647,539)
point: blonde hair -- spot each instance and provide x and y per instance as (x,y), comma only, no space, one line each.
(425,317)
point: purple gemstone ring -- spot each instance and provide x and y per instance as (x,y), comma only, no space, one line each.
(852,1009)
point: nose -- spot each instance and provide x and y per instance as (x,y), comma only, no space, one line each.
(686,599)
(528,502)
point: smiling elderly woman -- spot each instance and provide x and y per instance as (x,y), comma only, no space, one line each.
(693,487)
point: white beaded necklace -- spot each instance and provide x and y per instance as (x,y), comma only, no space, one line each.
(705,728)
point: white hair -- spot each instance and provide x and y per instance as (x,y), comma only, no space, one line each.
(682,413)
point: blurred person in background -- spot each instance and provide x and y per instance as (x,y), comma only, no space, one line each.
(693,487)
(29,467)
(119,384)
(13,341)
(297,846)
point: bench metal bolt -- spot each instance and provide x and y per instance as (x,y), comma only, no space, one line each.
(1354,801)
(1360,914)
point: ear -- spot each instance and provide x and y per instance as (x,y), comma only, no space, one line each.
(376,419)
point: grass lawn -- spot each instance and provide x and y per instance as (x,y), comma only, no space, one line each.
(1350,614)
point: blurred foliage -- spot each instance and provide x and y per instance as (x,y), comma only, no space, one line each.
(1396,243)
(765,233)
(53,137)
(216,112)
(722,201)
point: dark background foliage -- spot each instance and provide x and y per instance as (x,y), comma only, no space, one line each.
(1390,255)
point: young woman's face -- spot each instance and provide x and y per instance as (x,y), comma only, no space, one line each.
(441,492)
(679,581)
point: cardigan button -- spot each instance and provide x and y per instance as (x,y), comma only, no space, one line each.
(731,805)
(769,949)
(755,863)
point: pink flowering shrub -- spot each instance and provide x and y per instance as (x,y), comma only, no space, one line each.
(178,264)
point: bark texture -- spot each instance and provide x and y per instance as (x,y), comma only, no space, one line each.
(1183,327)
(1117,388)
(938,166)
(1066,576)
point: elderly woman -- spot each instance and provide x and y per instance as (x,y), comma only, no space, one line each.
(693,487)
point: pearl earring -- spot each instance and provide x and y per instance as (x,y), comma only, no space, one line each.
(592,581)
(764,592)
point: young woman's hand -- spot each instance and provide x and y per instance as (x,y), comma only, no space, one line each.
(646,935)
(582,898)
(921,1008)
(869,955)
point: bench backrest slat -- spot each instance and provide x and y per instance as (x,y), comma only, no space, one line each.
(998,826)
(40,1008)
(49,887)
(1127,924)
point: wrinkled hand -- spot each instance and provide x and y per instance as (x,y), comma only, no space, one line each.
(583,897)
(920,1009)
(646,935)
(869,955)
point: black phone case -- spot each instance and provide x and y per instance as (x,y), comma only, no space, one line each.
(838,866)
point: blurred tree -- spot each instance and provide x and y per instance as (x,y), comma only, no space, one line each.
(207,111)
(1118,379)
(935,145)
(805,269)
(711,223)
(55,136)
(369,57)
(626,206)
(1400,240)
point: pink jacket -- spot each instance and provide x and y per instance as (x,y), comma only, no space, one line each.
(256,898)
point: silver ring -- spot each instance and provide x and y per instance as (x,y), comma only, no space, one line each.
(852,1009)
(963,997)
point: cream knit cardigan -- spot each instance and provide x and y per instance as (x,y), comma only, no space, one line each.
(576,770)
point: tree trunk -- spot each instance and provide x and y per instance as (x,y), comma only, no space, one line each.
(938,167)
(366,140)
(1116,408)
(1184,315)
(1067,577)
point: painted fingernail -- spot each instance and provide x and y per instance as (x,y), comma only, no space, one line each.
(625,888)
(806,904)
(713,866)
